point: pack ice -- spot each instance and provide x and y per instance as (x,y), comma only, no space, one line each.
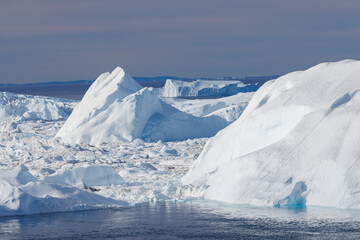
(296,143)
(205,88)
(117,109)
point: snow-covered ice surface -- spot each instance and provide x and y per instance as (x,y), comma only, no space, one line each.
(133,172)
(63,177)
(205,88)
(296,143)
(122,144)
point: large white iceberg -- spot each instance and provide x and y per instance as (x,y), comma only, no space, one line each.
(296,143)
(116,109)
(106,92)
(205,88)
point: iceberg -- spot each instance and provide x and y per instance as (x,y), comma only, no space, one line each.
(22,193)
(205,88)
(117,109)
(296,144)
(108,89)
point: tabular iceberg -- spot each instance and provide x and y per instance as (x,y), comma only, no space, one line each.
(296,143)
(205,88)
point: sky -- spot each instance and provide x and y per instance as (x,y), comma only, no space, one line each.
(51,40)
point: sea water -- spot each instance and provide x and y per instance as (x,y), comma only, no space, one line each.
(187,220)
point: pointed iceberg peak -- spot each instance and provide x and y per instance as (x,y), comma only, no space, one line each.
(118,78)
(107,89)
(118,70)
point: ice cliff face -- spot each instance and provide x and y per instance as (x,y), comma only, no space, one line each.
(296,143)
(203,88)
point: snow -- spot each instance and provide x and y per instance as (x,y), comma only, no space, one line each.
(205,88)
(295,144)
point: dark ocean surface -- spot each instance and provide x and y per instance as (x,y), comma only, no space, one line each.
(187,220)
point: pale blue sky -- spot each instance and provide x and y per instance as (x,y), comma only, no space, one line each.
(50,40)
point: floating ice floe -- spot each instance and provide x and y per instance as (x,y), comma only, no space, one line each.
(22,193)
(297,143)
